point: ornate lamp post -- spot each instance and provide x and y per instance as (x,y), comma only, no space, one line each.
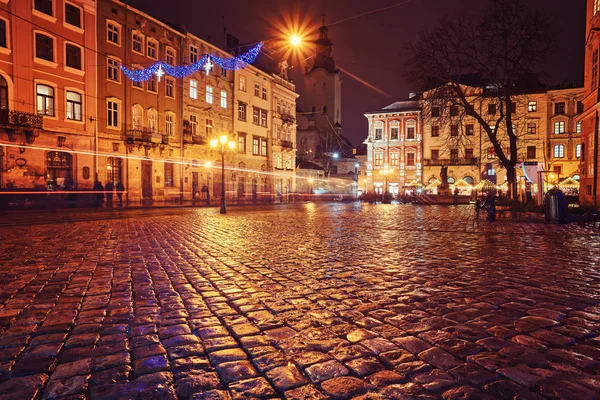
(385,172)
(222,144)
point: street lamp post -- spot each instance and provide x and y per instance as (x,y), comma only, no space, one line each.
(223,144)
(385,172)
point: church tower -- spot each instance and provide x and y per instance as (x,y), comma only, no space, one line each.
(322,91)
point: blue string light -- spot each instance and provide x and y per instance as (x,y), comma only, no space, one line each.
(233,63)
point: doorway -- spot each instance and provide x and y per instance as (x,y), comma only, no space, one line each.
(195,189)
(146,179)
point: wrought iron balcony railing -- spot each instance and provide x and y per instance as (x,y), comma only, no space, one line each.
(189,138)
(451,161)
(16,119)
(138,134)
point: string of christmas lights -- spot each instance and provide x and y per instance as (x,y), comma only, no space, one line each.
(161,68)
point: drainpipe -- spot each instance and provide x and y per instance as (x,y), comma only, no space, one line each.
(595,183)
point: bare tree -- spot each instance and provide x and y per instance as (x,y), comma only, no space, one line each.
(509,43)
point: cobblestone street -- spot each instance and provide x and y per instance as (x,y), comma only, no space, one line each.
(310,301)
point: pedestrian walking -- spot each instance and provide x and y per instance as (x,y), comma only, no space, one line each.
(99,194)
(120,190)
(109,188)
(478,207)
(491,207)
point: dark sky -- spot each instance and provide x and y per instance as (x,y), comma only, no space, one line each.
(370,47)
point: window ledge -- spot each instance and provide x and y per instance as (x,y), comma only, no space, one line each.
(138,88)
(47,63)
(43,15)
(52,117)
(137,52)
(74,71)
(4,50)
(152,91)
(74,28)
(74,121)
(114,128)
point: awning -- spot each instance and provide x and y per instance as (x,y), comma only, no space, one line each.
(485,185)
(568,183)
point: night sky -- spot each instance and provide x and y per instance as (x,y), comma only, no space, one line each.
(371,47)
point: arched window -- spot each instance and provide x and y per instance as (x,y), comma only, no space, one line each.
(576,177)
(136,116)
(152,120)
(469,180)
(304,145)
(242,164)
(451,180)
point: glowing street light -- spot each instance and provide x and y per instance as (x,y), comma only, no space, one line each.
(295,40)
(226,145)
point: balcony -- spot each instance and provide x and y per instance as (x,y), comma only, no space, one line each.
(20,119)
(189,138)
(283,143)
(288,118)
(146,135)
(451,161)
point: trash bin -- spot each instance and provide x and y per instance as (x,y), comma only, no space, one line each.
(556,207)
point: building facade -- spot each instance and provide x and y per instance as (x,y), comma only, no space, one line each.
(139,135)
(589,194)
(395,148)
(48,94)
(76,117)
(563,149)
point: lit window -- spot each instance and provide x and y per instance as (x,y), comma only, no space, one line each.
(113,32)
(44,47)
(263,118)
(264,93)
(193,124)
(559,151)
(73,56)
(152,120)
(596,6)
(242,83)
(74,106)
(256,146)
(112,69)
(241,143)
(193,89)
(45,100)
(170,124)
(257,90)
(490,172)
(578,126)
(256,116)
(112,114)
(209,127)
(559,127)
(394,133)
(378,159)
(532,106)
(578,151)
(531,128)
(394,159)
(137,114)
(223,99)
(209,94)
(263,147)
(491,153)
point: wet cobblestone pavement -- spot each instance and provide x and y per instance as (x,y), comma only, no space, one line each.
(300,302)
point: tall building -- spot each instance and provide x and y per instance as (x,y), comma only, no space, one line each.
(138,125)
(394,148)
(74,109)
(589,195)
(563,148)
(48,94)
